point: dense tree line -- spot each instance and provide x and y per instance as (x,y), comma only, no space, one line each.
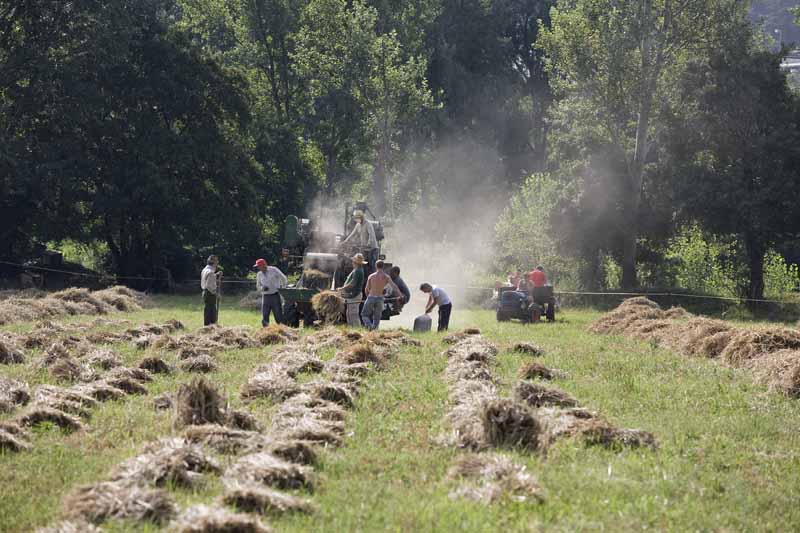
(165,129)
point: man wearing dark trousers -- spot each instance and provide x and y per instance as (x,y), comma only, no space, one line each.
(437,296)
(209,283)
(268,280)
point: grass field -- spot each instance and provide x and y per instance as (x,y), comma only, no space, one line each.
(729,454)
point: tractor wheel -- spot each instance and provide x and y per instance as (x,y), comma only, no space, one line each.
(290,317)
(502,316)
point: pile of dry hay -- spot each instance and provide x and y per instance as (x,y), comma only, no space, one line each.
(71,301)
(480,420)
(772,353)
(329,306)
(316,279)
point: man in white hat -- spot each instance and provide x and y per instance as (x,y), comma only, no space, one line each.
(363,235)
(352,291)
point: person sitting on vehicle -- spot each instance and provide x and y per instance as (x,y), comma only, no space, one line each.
(394,273)
(373,307)
(352,290)
(363,235)
(514,279)
(437,296)
(537,277)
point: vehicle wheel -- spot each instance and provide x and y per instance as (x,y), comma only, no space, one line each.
(502,316)
(308,320)
(290,317)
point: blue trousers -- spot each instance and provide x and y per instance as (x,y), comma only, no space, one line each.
(372,311)
(271,302)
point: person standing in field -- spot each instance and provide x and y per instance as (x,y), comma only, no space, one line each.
(209,283)
(437,296)
(352,291)
(373,307)
(268,280)
(394,273)
(363,235)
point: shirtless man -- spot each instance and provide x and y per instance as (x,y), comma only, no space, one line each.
(373,306)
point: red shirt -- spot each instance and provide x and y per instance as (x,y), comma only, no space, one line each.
(537,278)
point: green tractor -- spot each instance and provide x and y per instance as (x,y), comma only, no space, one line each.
(322,260)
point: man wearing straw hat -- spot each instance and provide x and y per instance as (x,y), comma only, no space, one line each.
(268,280)
(352,290)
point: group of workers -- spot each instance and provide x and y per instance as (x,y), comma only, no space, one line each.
(534,279)
(359,311)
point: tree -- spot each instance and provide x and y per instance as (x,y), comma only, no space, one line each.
(621,57)
(737,153)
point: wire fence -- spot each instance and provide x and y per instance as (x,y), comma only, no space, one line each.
(559,293)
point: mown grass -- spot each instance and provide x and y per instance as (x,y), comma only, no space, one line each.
(728,455)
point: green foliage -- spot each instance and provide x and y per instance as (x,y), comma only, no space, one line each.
(524,234)
(702,263)
(780,278)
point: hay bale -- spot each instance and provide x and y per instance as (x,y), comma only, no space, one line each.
(202,364)
(136,374)
(13,393)
(329,306)
(491,477)
(473,348)
(126,385)
(713,346)
(275,334)
(162,402)
(360,352)
(779,371)
(601,433)
(254,498)
(66,369)
(10,354)
(206,519)
(167,461)
(241,420)
(293,451)
(330,391)
(468,371)
(198,403)
(275,384)
(690,337)
(269,470)
(101,391)
(750,344)
(316,279)
(119,501)
(38,414)
(155,364)
(303,405)
(225,439)
(677,313)
(12,442)
(536,395)
(390,338)
(510,424)
(528,348)
(312,430)
(534,370)
(103,359)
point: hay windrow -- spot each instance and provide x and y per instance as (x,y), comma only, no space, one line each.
(534,370)
(108,500)
(360,352)
(600,433)
(778,371)
(101,391)
(13,393)
(68,526)
(458,336)
(489,477)
(536,395)
(208,519)
(271,471)
(241,420)
(162,402)
(275,334)
(103,359)
(329,306)
(225,439)
(136,374)
(253,498)
(12,442)
(750,344)
(126,385)
(275,384)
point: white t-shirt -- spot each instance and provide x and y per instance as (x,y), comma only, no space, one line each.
(208,279)
(440,297)
(270,281)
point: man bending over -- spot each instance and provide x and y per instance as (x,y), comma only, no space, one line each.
(437,296)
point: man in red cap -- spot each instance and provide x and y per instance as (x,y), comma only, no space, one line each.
(268,280)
